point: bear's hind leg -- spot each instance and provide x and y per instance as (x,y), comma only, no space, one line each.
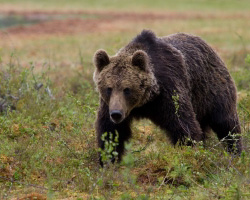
(228,130)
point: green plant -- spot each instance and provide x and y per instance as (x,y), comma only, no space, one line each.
(110,143)
(175,99)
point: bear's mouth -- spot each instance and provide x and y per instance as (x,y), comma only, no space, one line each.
(116,116)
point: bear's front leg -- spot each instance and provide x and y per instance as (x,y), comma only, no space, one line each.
(111,134)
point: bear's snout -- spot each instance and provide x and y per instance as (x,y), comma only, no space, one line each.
(117,107)
(116,116)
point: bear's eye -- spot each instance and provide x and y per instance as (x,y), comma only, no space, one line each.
(109,91)
(127,91)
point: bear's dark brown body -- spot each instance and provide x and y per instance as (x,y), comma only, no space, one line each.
(143,78)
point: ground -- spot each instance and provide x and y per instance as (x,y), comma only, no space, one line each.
(48,147)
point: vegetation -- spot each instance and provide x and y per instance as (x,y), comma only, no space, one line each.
(48,106)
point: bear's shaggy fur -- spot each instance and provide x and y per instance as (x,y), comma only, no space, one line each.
(146,78)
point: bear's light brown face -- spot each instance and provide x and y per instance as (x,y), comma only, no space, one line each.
(124,82)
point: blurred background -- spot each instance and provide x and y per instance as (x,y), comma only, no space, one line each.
(57,30)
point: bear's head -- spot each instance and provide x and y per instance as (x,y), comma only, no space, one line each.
(124,81)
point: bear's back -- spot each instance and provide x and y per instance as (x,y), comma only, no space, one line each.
(208,75)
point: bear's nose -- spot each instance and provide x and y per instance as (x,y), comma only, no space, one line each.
(116,115)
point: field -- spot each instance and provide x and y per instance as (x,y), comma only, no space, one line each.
(48,101)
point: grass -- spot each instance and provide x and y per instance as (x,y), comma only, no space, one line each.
(48,145)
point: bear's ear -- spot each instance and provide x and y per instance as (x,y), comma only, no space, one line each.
(140,59)
(101,59)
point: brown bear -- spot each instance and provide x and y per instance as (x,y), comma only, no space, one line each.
(177,81)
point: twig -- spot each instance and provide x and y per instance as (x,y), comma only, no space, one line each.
(163,181)
(142,149)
